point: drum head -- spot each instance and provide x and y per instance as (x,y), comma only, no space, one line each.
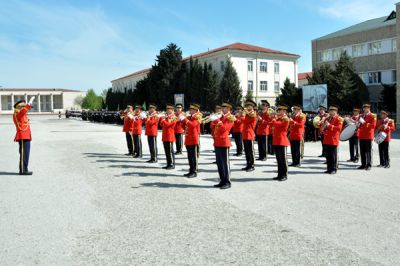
(348,132)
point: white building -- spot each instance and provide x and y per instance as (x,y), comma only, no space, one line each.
(46,101)
(260,70)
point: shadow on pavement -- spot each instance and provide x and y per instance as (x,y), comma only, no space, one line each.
(9,173)
(169,185)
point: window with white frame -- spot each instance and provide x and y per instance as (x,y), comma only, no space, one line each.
(276,86)
(250,85)
(374,77)
(394,45)
(263,67)
(263,85)
(336,53)
(357,50)
(327,55)
(374,48)
(276,68)
(250,66)
(222,65)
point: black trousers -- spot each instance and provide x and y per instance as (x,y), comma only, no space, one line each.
(192,157)
(179,142)
(331,158)
(262,146)
(295,149)
(384,153)
(152,140)
(239,142)
(323,145)
(269,144)
(222,154)
(169,153)
(129,142)
(198,148)
(249,151)
(280,153)
(24,151)
(137,145)
(366,152)
(353,145)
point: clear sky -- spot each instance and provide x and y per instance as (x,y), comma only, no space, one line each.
(86,44)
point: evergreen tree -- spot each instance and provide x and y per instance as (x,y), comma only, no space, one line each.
(388,97)
(230,89)
(249,96)
(210,88)
(289,94)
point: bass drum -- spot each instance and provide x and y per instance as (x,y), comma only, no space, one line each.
(380,137)
(348,132)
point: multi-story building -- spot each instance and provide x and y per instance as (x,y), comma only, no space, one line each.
(372,45)
(46,101)
(303,78)
(260,70)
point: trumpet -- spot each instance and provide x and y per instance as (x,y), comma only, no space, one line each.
(162,114)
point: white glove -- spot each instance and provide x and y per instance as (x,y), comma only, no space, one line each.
(361,120)
(219,116)
(213,118)
(130,116)
(182,117)
(143,115)
(31,100)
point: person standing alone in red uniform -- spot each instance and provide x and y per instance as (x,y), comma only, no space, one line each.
(332,127)
(23,135)
(366,135)
(249,124)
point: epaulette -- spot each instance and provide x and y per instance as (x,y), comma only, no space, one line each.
(391,121)
(303,116)
(252,114)
(373,115)
(340,119)
(231,118)
(285,119)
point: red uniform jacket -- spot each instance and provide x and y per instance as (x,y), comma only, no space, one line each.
(249,125)
(332,132)
(280,128)
(179,126)
(222,128)
(212,126)
(320,128)
(168,128)
(297,126)
(390,126)
(137,125)
(263,124)
(128,122)
(21,123)
(355,119)
(192,129)
(238,124)
(152,125)
(367,129)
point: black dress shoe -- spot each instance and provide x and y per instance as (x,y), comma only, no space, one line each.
(250,169)
(361,167)
(283,179)
(356,161)
(350,160)
(325,162)
(225,186)
(170,167)
(26,173)
(128,154)
(136,156)
(214,162)
(218,185)
(245,168)
(238,154)
(368,168)
(332,173)
(327,172)
(276,178)
(387,166)
(191,175)
(151,161)
(178,153)
(379,166)
(320,156)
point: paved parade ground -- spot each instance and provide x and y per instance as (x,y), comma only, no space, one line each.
(87,203)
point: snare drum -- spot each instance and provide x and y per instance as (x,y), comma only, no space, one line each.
(348,132)
(380,137)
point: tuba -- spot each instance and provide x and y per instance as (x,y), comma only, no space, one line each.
(317,121)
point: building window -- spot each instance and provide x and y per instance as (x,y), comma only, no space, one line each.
(394,45)
(250,66)
(319,56)
(358,50)
(222,64)
(263,85)
(327,55)
(276,86)
(374,77)
(276,68)
(336,53)
(250,85)
(394,76)
(374,48)
(263,67)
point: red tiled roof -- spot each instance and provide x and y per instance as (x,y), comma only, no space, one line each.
(38,89)
(233,46)
(304,75)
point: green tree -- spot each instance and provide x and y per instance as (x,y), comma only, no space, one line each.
(230,89)
(92,101)
(388,97)
(210,88)
(249,96)
(289,94)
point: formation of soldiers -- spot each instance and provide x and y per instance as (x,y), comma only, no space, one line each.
(274,129)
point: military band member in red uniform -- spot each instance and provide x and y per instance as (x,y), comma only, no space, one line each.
(192,123)
(387,125)
(222,144)
(218,112)
(137,132)
(366,135)
(127,116)
(262,131)
(168,123)
(297,122)
(151,122)
(23,134)
(323,115)
(280,124)
(353,141)
(332,127)
(249,125)
(179,129)
(237,130)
